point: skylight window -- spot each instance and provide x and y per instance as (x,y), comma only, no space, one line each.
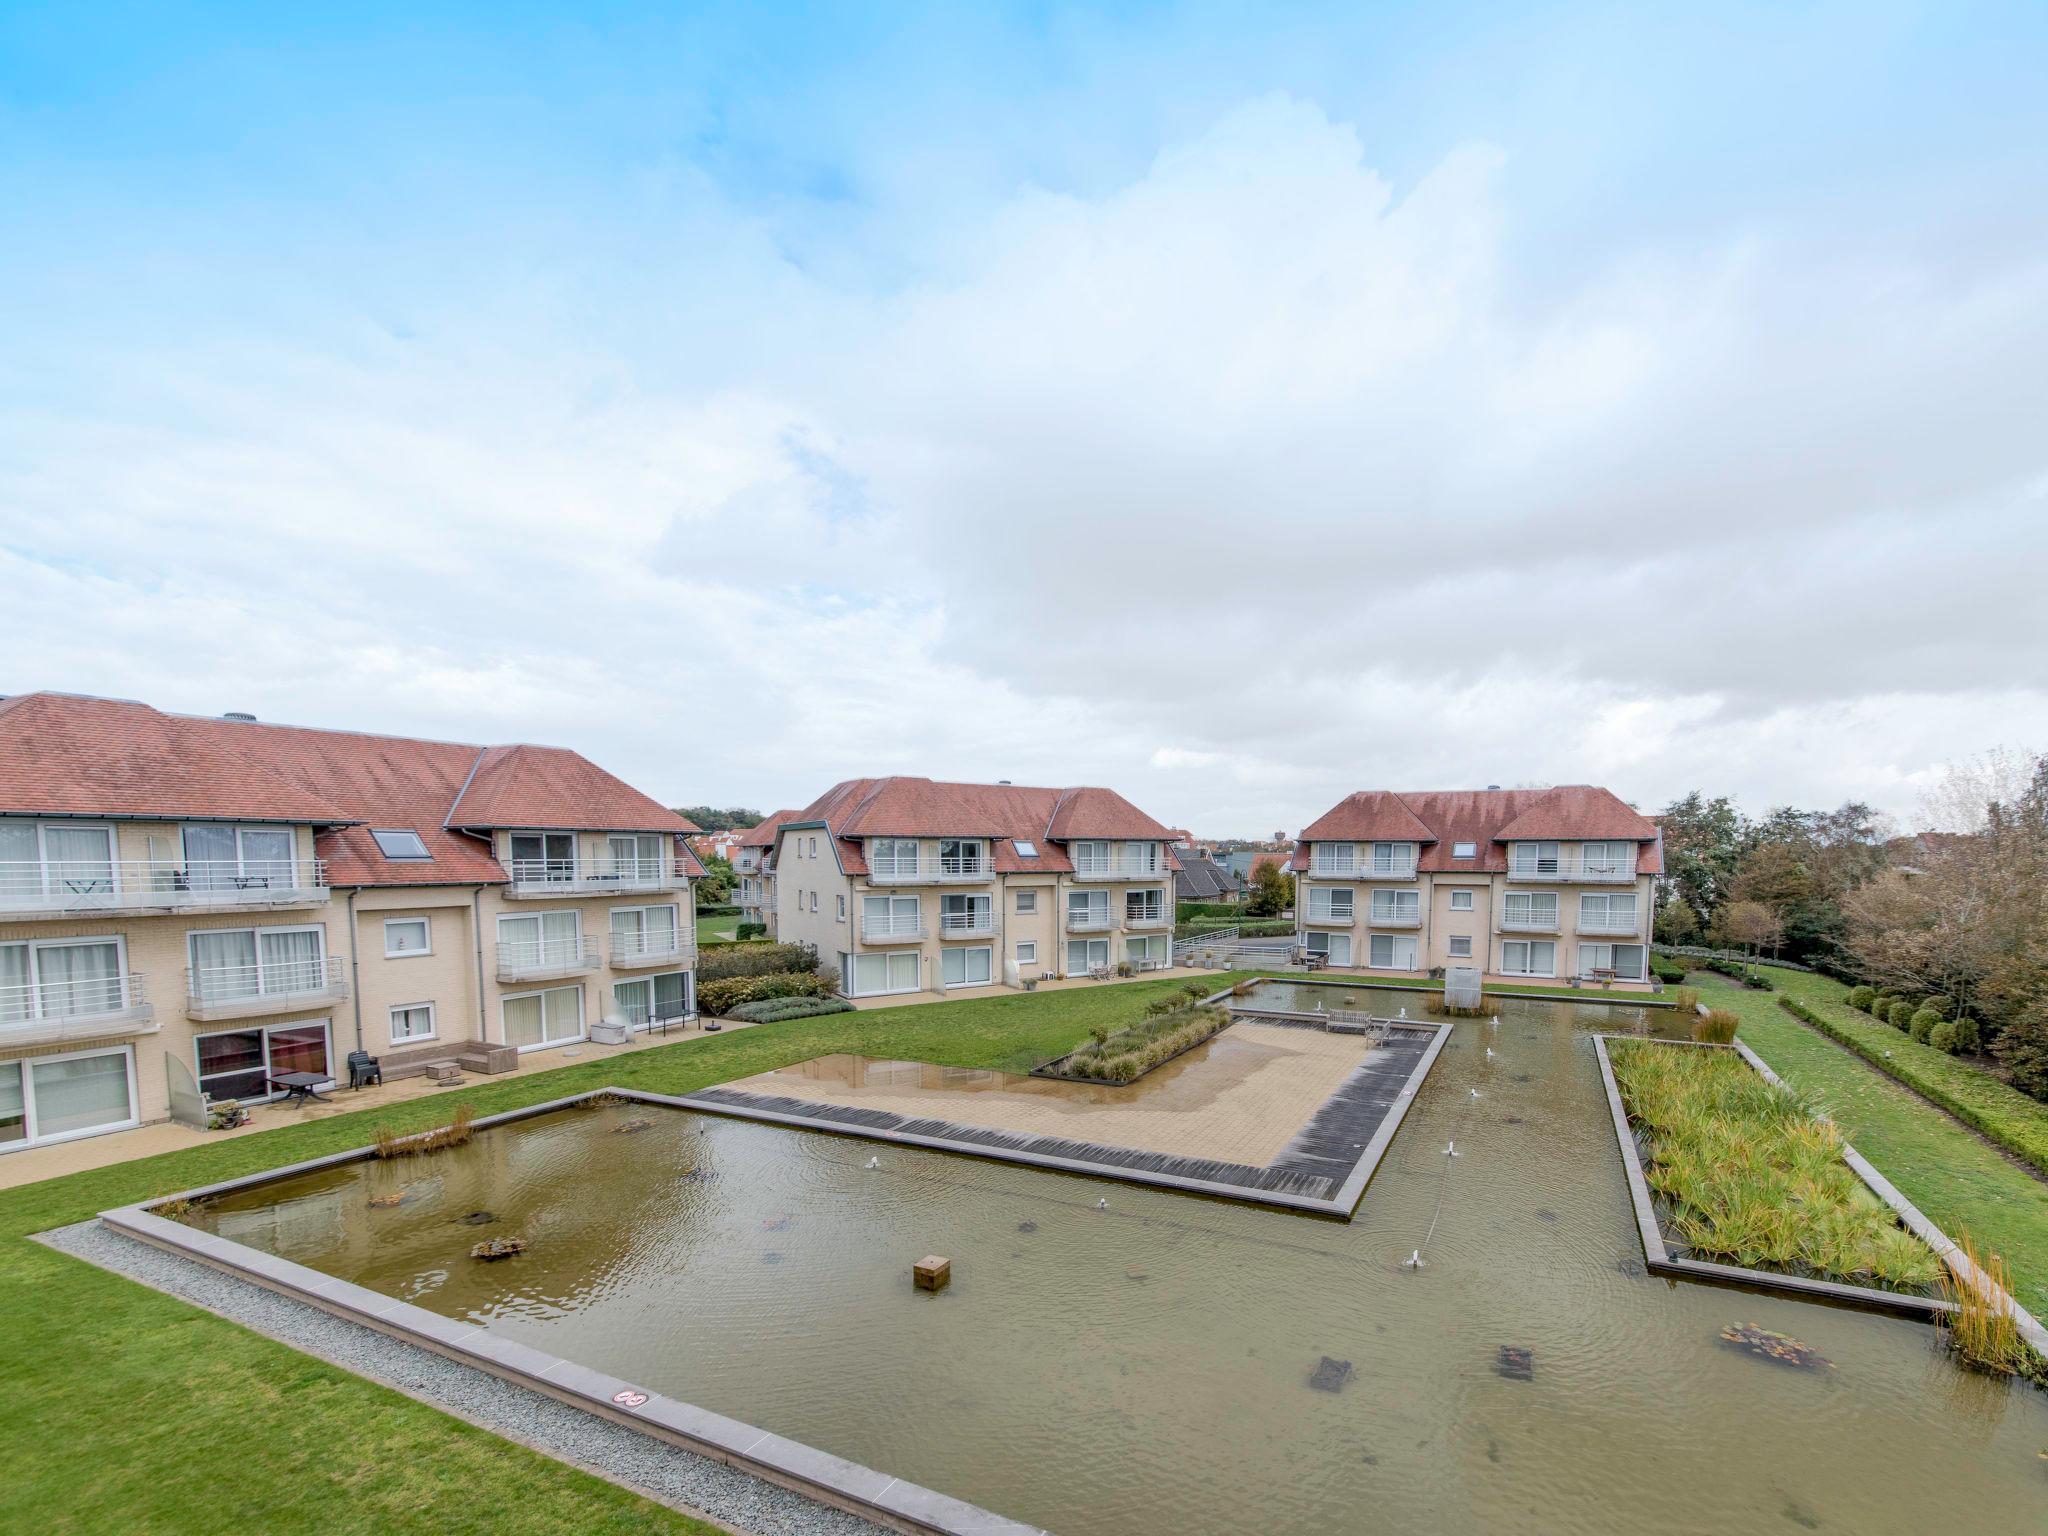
(1026,849)
(400,844)
(1464,850)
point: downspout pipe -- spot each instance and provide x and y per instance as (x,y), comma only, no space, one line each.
(476,929)
(355,966)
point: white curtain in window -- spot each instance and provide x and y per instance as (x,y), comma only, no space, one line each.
(81,858)
(209,857)
(13,1110)
(16,1002)
(224,964)
(21,871)
(79,978)
(268,855)
(291,960)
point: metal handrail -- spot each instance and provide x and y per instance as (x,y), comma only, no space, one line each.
(519,955)
(29,1001)
(214,984)
(40,885)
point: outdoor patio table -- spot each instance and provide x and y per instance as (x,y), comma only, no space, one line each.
(300,1086)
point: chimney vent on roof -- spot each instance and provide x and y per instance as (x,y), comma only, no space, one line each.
(239,714)
(1002,781)
(1493,786)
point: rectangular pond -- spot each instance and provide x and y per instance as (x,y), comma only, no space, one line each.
(1145,1369)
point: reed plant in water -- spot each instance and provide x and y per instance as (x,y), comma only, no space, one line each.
(1984,1333)
(1748,1176)
(458,1130)
(1715,1027)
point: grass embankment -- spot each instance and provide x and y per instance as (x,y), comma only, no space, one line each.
(1750,1178)
(131,1411)
(1963,1184)
(718,930)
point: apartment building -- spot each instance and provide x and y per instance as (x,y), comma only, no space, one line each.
(753,866)
(1523,884)
(190,907)
(908,885)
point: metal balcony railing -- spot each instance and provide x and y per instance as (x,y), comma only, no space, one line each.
(1609,923)
(545,957)
(1529,922)
(568,877)
(1330,917)
(634,949)
(1570,866)
(978,923)
(1120,869)
(158,885)
(1147,917)
(1395,917)
(34,1012)
(264,986)
(1090,920)
(892,929)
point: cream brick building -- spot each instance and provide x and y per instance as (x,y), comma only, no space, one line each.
(190,907)
(907,885)
(1523,885)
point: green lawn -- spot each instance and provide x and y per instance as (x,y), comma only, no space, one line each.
(1960,1182)
(133,1411)
(717,927)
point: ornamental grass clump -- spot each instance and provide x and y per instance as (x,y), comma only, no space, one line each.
(1716,1027)
(1748,1177)
(1124,1055)
(1983,1332)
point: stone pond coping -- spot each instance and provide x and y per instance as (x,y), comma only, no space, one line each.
(887,1501)
(1662,1261)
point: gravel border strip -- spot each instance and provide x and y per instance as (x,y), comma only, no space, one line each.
(696,1485)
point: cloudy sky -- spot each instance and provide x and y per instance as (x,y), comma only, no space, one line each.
(1234,405)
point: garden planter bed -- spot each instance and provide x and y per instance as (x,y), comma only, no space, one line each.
(1658,1246)
(1051,1069)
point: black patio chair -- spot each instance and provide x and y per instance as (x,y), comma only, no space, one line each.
(363,1069)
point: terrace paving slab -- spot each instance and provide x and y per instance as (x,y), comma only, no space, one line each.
(1271,1112)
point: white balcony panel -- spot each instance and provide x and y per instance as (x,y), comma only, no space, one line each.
(892,930)
(536,959)
(636,951)
(244,991)
(46,1013)
(140,886)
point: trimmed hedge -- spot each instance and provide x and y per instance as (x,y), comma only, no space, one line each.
(1253,928)
(728,992)
(1188,909)
(1899,1014)
(727,909)
(773,1010)
(1670,972)
(2004,1114)
(754,960)
(1921,1025)
(750,931)
(1861,998)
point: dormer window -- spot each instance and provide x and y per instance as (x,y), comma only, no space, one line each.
(892,858)
(1464,850)
(962,856)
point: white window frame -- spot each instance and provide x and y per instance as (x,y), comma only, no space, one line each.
(548,863)
(239,828)
(675,918)
(964,951)
(433,1024)
(1533,900)
(1402,912)
(1615,857)
(1027,951)
(1330,945)
(1335,859)
(1535,860)
(1588,951)
(35,948)
(1327,910)
(1027,901)
(1090,856)
(1455,952)
(42,860)
(1461,901)
(25,1065)
(1139,947)
(649,980)
(192,961)
(849,972)
(1464,850)
(842,908)
(540,931)
(582,1017)
(427,932)
(1528,946)
(1392,859)
(1393,941)
(888,865)
(814,901)
(1151,900)
(1088,960)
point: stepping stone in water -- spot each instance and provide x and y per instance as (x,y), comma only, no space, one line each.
(1330,1375)
(1515,1364)
(498,1248)
(477,1219)
(1027,1226)
(1754,1339)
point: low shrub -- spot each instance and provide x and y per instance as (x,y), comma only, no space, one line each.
(1862,997)
(725,910)
(754,960)
(750,931)
(1716,1027)
(1189,909)
(773,1010)
(1899,1014)
(1942,1036)
(1922,1023)
(1124,1055)
(1941,1003)
(723,994)
(1260,928)
(1969,1037)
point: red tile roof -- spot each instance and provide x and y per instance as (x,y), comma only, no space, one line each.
(1488,819)
(762,833)
(551,787)
(1003,813)
(65,755)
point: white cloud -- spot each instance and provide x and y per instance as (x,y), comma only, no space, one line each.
(1245,484)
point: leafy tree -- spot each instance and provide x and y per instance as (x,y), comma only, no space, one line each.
(712,819)
(1748,925)
(1702,849)
(1272,891)
(716,888)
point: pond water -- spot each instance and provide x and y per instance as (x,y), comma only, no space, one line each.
(1144,1370)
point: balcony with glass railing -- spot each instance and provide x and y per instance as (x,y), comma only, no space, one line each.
(533,959)
(1394,916)
(978,922)
(87,1008)
(631,951)
(950,869)
(61,887)
(543,878)
(1332,916)
(896,928)
(275,986)
(1569,864)
(1531,920)
(1090,920)
(1609,924)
